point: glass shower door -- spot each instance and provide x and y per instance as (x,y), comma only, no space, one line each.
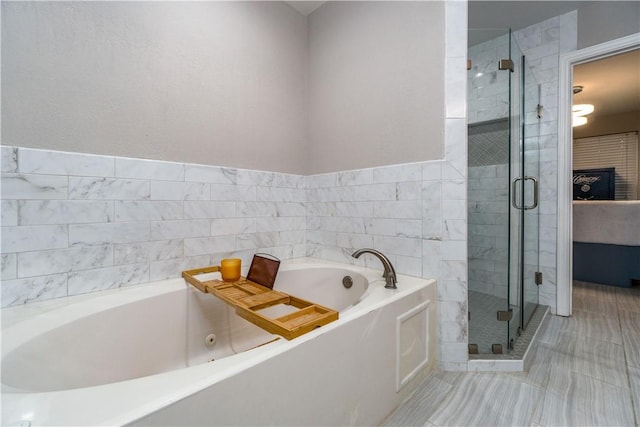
(503,247)
(530,258)
(489,170)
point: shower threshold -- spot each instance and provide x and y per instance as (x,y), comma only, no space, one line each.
(516,359)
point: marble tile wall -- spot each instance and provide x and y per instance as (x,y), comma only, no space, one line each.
(75,223)
(488,229)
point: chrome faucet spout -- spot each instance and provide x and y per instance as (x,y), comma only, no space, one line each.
(389,272)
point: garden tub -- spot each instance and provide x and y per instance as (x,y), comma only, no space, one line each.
(164,353)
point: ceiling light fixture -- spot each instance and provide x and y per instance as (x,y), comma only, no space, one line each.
(579,111)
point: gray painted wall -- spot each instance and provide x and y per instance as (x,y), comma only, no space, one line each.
(224,83)
(376,84)
(220,83)
(600,22)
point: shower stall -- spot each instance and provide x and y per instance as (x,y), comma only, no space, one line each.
(503,214)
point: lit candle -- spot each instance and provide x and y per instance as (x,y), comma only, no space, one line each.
(230,269)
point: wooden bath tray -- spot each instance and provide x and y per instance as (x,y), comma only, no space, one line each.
(249,298)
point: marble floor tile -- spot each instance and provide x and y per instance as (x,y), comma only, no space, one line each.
(488,400)
(634,379)
(628,299)
(595,326)
(630,326)
(539,365)
(601,360)
(594,298)
(572,399)
(421,405)
(553,330)
(584,371)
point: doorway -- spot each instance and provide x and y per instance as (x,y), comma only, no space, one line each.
(565,159)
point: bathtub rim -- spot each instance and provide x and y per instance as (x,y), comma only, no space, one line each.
(169,387)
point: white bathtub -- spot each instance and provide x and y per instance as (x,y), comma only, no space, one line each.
(140,355)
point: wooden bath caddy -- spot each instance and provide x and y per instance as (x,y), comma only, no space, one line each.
(249,298)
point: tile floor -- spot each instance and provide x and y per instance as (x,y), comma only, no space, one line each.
(585,371)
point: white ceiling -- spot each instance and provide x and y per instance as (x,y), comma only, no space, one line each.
(611,84)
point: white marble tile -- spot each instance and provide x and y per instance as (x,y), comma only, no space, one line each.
(323,180)
(255,209)
(431,252)
(134,253)
(232,192)
(101,279)
(76,258)
(9,266)
(34,212)
(9,159)
(455,88)
(454,209)
(108,188)
(9,212)
(432,171)
(211,174)
(380,226)
(409,228)
(454,190)
(169,269)
(224,226)
(169,190)
(61,163)
(355,209)
(456,28)
(454,250)
(454,270)
(278,194)
(274,224)
(180,229)
(454,229)
(363,193)
(257,240)
(355,177)
(34,238)
(397,209)
(209,245)
(107,233)
(398,245)
(209,209)
(398,173)
(23,291)
(456,144)
(353,241)
(411,190)
(149,169)
(145,210)
(292,237)
(22,186)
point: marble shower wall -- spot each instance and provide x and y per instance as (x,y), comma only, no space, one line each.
(75,223)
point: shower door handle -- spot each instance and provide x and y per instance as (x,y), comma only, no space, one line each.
(514,192)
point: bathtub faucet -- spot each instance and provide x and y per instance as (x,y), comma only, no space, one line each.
(389,272)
